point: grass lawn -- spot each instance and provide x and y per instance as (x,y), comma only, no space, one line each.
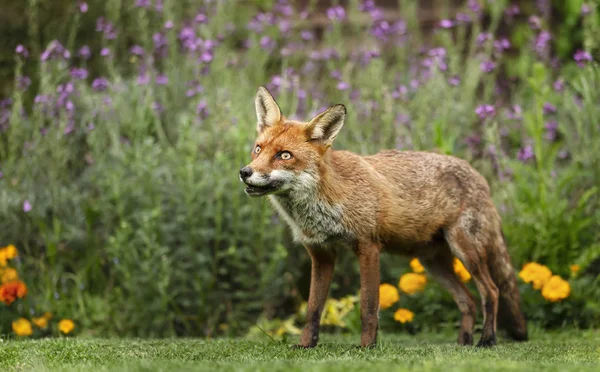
(561,351)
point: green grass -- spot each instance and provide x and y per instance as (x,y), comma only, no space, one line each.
(561,351)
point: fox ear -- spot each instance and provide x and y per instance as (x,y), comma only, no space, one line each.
(267,110)
(325,126)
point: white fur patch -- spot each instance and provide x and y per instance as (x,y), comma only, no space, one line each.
(311,219)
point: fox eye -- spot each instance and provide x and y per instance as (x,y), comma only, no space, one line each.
(257,149)
(285,155)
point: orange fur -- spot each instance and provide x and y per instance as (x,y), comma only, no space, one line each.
(415,203)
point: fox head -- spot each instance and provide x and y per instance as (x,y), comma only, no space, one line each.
(287,154)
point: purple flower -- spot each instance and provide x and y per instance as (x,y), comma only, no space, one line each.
(585,9)
(83,7)
(485,111)
(70,127)
(487,66)
(201,18)
(23,82)
(463,18)
(581,57)
(514,113)
(105,52)
(206,56)
(525,153)
(336,13)
(20,50)
(535,22)
(55,49)
(541,42)
(142,3)
(559,85)
(157,107)
(158,5)
(143,78)
(169,25)
(27,206)
(306,35)
(483,37)
(512,10)
(446,23)
(367,6)
(400,92)
(202,109)
(549,108)
(474,6)
(501,45)
(162,80)
(563,154)
(267,43)
(84,52)
(1,174)
(193,88)
(454,81)
(342,85)
(79,73)
(70,106)
(137,50)
(551,129)
(100,84)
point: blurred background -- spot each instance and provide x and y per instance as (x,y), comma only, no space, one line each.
(123,125)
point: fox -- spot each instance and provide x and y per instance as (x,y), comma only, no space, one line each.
(415,203)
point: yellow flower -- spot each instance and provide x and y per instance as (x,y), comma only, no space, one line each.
(404,316)
(10,252)
(556,289)
(416,266)
(388,295)
(412,283)
(461,270)
(8,275)
(536,274)
(22,327)
(3,258)
(66,326)
(47,315)
(40,322)
(575,268)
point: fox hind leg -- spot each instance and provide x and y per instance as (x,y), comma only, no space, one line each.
(441,268)
(470,248)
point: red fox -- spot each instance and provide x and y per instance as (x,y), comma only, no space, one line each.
(431,206)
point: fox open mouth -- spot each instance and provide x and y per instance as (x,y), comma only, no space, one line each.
(261,190)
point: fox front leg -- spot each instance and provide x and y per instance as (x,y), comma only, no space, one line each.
(321,273)
(368,259)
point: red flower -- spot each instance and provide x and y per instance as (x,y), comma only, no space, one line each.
(9,292)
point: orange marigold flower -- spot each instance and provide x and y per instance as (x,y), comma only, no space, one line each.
(388,295)
(556,289)
(461,270)
(40,322)
(66,326)
(22,327)
(8,275)
(575,268)
(10,252)
(412,283)
(9,292)
(404,316)
(536,274)
(416,266)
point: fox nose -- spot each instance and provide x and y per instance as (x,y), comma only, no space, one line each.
(245,173)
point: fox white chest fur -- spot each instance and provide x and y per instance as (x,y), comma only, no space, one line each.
(313,220)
